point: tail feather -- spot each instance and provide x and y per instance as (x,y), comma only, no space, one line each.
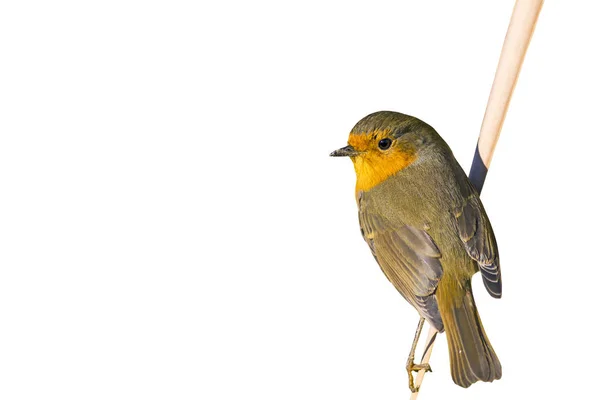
(472,357)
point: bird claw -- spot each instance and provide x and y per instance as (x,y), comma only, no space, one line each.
(412,367)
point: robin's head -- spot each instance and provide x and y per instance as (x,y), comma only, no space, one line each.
(383,143)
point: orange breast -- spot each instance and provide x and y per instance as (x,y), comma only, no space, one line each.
(375,166)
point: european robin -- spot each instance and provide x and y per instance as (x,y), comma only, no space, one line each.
(429,233)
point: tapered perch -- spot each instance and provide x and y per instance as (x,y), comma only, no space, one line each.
(518,36)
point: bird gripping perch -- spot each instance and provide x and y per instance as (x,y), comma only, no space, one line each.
(518,36)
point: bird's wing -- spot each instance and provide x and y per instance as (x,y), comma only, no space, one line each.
(410,260)
(476,233)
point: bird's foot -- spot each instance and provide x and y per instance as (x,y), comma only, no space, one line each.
(412,367)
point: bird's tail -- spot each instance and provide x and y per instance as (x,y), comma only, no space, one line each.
(472,357)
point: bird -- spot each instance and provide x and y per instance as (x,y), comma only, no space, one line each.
(426,227)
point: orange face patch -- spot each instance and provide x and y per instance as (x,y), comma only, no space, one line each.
(364,141)
(374,166)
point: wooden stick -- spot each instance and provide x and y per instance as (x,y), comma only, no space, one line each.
(518,36)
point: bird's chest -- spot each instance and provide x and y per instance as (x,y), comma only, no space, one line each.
(409,202)
(428,208)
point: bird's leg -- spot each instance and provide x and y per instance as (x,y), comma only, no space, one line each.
(410,365)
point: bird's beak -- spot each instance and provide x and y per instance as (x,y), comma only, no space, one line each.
(347,151)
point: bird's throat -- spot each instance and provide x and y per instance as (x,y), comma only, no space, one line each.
(373,168)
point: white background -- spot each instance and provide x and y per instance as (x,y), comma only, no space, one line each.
(171,226)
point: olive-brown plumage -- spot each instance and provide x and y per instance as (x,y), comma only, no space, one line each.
(428,231)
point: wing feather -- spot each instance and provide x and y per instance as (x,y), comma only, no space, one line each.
(479,241)
(410,260)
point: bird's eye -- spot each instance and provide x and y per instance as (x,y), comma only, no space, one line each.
(385,144)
